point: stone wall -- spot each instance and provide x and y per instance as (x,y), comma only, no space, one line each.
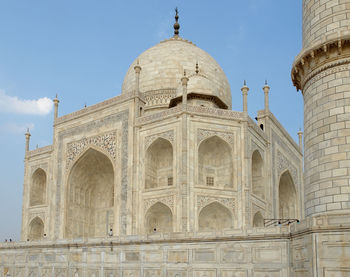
(317,246)
(327,150)
(324,20)
(174,256)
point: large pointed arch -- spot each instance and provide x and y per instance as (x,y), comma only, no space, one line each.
(287,196)
(37,195)
(258,186)
(36,229)
(90,196)
(159,164)
(215,217)
(159,219)
(215,163)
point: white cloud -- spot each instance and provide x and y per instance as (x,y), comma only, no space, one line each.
(15,128)
(12,104)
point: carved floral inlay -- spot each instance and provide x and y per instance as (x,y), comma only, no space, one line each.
(254,146)
(107,142)
(169,135)
(167,200)
(203,201)
(203,134)
(283,163)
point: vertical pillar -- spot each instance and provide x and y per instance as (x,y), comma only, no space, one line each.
(185,227)
(27,134)
(300,135)
(245,90)
(137,113)
(184,81)
(266,90)
(56,101)
(137,69)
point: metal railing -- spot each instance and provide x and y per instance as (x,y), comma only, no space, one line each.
(268,222)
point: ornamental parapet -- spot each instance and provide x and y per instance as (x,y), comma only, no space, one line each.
(312,61)
(102,105)
(39,151)
(193,110)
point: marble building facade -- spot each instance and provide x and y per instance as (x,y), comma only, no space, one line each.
(166,180)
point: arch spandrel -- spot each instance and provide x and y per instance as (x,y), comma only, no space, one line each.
(105,143)
(204,134)
(168,135)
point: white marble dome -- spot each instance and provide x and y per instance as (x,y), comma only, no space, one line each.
(163,66)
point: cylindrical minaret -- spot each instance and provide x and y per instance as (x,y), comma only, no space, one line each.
(137,69)
(184,81)
(245,90)
(300,136)
(321,72)
(266,90)
(27,134)
(56,101)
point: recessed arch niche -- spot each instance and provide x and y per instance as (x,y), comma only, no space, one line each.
(159,164)
(159,219)
(215,163)
(287,197)
(38,188)
(258,186)
(258,220)
(36,229)
(90,196)
(215,217)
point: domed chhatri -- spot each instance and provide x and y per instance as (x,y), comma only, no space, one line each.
(162,69)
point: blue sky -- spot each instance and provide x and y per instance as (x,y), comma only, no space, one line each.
(82,49)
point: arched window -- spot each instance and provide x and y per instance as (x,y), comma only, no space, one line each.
(258,186)
(36,229)
(38,188)
(159,164)
(215,217)
(215,163)
(287,197)
(159,218)
(258,220)
(90,196)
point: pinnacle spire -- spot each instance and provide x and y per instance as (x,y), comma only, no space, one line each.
(176,25)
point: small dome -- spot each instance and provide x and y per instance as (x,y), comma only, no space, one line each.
(163,67)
